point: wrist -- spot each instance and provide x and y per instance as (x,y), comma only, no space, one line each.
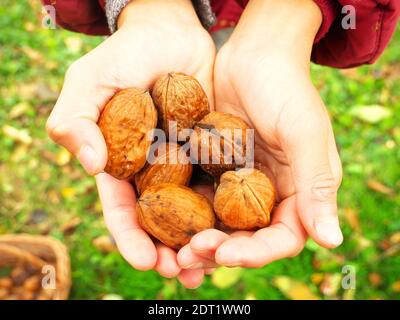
(159,12)
(285,27)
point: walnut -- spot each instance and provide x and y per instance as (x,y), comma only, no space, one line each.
(179,98)
(218,143)
(244,199)
(170,164)
(126,122)
(173,213)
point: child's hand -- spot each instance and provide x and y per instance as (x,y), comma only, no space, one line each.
(262,75)
(154,38)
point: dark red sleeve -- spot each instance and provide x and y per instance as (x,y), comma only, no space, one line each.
(376,22)
(334,46)
(85,16)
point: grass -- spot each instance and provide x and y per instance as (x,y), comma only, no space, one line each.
(42,188)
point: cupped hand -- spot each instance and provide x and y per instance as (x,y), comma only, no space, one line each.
(154,37)
(263,77)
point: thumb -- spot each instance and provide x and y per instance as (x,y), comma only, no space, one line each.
(72,122)
(316,181)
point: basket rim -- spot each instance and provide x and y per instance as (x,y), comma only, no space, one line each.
(62,259)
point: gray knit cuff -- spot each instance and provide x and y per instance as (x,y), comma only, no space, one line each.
(203,9)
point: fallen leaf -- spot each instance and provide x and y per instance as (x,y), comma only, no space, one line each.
(29,26)
(379,187)
(294,289)
(32,54)
(105,244)
(316,278)
(19,135)
(395,238)
(375,279)
(396,286)
(392,251)
(352,218)
(69,227)
(371,114)
(63,157)
(74,44)
(225,277)
(68,193)
(19,109)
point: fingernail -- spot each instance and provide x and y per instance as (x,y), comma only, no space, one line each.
(329,231)
(197,265)
(88,158)
(233,264)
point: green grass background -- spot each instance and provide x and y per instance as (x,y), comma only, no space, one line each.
(41,189)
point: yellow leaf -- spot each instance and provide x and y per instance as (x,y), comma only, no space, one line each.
(317,278)
(371,114)
(396,286)
(32,54)
(226,277)
(63,157)
(294,289)
(74,44)
(68,193)
(395,238)
(19,109)
(29,26)
(19,135)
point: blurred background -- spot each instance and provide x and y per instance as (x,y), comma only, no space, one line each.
(43,190)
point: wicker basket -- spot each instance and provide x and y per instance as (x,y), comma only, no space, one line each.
(38,251)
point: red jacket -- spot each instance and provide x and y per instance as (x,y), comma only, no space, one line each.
(334,46)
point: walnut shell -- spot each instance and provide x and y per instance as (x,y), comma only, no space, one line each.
(125,122)
(173,213)
(170,164)
(244,199)
(218,143)
(180,98)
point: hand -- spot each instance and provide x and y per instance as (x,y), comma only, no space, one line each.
(262,75)
(154,37)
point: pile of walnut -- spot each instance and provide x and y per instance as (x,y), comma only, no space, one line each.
(23,282)
(168,209)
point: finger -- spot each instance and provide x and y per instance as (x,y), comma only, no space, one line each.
(205,243)
(118,200)
(284,238)
(308,148)
(72,122)
(187,259)
(209,271)
(167,264)
(191,279)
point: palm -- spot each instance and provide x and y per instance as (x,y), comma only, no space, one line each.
(286,112)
